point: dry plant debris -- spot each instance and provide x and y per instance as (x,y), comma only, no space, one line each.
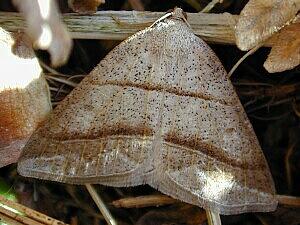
(85,6)
(285,53)
(144,201)
(24,95)
(15,214)
(261,18)
(45,28)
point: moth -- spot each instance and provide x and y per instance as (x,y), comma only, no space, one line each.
(158,110)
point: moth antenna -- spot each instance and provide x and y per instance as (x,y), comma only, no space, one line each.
(177,13)
(161,18)
(187,23)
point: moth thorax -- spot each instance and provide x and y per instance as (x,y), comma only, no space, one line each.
(178,14)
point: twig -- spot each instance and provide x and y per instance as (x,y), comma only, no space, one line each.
(62,80)
(287,157)
(261,219)
(251,84)
(291,201)
(262,106)
(17,217)
(84,206)
(118,25)
(270,118)
(74,220)
(160,199)
(250,102)
(286,100)
(26,215)
(194,3)
(273,90)
(273,103)
(213,218)
(6,219)
(101,205)
(59,90)
(211,5)
(250,52)
(55,103)
(51,70)
(77,76)
(144,201)
(296,110)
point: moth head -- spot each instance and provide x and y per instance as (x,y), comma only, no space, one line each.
(178,13)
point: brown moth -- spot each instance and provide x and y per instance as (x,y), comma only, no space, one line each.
(158,110)
(24,95)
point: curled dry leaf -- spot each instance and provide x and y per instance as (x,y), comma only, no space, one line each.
(85,6)
(285,53)
(24,95)
(261,18)
(45,28)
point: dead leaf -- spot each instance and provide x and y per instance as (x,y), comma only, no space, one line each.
(24,95)
(85,6)
(261,18)
(45,28)
(285,53)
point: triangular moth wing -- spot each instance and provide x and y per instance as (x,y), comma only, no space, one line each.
(209,155)
(157,109)
(103,131)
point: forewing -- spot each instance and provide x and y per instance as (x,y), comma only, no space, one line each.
(103,131)
(209,155)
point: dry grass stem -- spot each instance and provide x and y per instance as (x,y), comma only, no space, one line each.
(213,218)
(144,201)
(296,110)
(62,80)
(51,70)
(287,157)
(211,5)
(290,201)
(194,3)
(118,25)
(101,205)
(26,215)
